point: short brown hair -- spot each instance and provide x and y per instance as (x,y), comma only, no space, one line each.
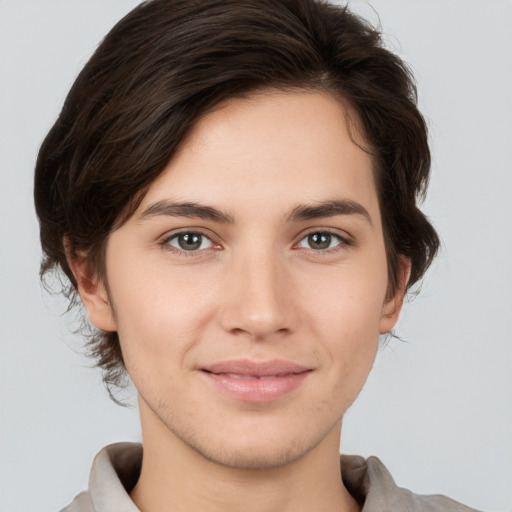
(167,63)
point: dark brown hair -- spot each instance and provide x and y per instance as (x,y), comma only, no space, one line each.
(167,63)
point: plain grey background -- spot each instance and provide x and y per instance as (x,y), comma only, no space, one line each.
(437,408)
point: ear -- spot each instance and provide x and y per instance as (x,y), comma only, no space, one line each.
(393,306)
(93,293)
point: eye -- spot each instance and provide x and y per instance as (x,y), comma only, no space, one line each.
(189,241)
(321,241)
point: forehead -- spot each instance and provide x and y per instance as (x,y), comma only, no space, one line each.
(272,148)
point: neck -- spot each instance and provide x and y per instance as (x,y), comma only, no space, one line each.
(174,477)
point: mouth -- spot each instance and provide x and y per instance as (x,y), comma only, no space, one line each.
(251,381)
(251,377)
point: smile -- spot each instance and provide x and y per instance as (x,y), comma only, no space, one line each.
(248,377)
(250,381)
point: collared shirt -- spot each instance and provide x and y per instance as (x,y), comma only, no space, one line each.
(116,468)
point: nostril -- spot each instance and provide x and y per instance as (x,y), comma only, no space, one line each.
(237,330)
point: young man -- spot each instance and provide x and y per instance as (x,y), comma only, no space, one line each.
(231,190)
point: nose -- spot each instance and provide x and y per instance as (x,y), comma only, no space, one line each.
(258,299)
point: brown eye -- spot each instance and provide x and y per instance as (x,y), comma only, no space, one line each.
(320,241)
(190,241)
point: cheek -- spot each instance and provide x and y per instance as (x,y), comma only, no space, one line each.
(344,313)
(160,312)
(347,299)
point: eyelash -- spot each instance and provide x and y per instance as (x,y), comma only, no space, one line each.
(344,241)
(165,243)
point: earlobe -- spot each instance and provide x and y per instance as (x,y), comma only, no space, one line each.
(93,293)
(393,306)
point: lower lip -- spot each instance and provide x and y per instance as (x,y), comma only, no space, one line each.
(257,390)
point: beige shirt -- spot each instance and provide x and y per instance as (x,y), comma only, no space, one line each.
(116,468)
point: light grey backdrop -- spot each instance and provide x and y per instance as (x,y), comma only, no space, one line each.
(437,408)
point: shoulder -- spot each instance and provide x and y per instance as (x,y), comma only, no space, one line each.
(114,472)
(82,503)
(369,481)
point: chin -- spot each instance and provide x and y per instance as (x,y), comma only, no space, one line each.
(253,457)
(258,446)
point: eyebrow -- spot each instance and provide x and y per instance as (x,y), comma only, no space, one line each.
(329,209)
(187,209)
(303,212)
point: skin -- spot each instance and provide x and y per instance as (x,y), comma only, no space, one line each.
(257,288)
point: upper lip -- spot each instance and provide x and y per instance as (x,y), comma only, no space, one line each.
(256,368)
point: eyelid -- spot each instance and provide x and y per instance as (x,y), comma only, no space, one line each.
(345,239)
(164,240)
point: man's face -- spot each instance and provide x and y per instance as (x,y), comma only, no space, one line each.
(249,288)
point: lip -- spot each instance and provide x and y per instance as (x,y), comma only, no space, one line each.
(252,381)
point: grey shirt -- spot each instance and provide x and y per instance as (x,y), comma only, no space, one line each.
(116,468)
